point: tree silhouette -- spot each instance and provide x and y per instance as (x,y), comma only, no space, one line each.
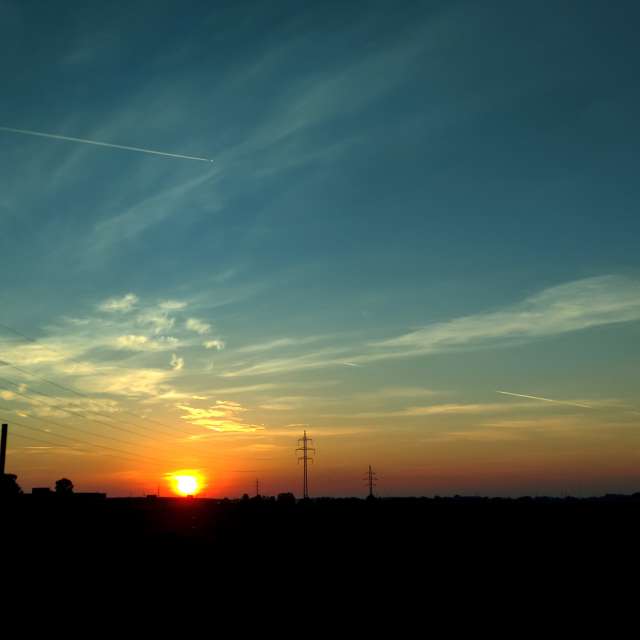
(64,487)
(9,486)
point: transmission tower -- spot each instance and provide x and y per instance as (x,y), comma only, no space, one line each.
(303,446)
(371,481)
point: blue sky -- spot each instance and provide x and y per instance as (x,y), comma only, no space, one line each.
(410,207)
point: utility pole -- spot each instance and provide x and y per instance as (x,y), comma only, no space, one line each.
(371,479)
(3,448)
(303,446)
(257,488)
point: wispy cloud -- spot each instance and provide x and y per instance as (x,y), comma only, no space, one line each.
(315,360)
(172,305)
(223,416)
(198,326)
(177,364)
(218,345)
(127,382)
(134,342)
(137,218)
(250,388)
(574,306)
(390,393)
(126,303)
(279,343)
(443,409)
(158,319)
(544,423)
(345,90)
(285,403)
(407,392)
(569,307)
(110,351)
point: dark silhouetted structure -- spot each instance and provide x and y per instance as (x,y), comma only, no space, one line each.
(303,446)
(64,487)
(371,480)
(3,448)
(9,486)
(41,492)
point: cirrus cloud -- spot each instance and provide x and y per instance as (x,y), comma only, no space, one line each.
(198,326)
(126,303)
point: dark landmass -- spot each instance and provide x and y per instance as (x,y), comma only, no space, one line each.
(436,530)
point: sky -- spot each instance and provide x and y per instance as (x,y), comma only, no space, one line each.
(416,238)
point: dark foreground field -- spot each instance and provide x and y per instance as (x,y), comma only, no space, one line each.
(440,554)
(421,528)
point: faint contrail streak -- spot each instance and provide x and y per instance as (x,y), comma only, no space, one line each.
(522,395)
(104,144)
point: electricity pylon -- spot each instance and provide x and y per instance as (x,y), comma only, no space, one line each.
(371,480)
(303,445)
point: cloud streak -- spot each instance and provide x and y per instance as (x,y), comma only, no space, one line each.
(126,303)
(442,409)
(279,344)
(573,306)
(223,416)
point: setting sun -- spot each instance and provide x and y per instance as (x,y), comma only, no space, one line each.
(186,484)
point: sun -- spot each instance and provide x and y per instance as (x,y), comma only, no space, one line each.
(186,485)
(186,482)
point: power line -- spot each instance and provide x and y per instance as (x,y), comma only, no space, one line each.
(120,453)
(18,333)
(82,410)
(33,340)
(49,421)
(40,441)
(98,413)
(82,414)
(72,440)
(59,446)
(70,412)
(84,395)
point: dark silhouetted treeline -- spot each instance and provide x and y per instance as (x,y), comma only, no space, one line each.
(425,528)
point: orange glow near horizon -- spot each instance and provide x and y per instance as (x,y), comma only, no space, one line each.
(186,483)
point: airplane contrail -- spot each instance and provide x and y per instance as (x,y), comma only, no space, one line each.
(104,144)
(522,395)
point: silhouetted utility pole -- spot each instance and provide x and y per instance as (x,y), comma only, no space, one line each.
(371,478)
(3,448)
(257,488)
(303,445)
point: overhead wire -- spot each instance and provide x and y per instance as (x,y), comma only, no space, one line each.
(49,421)
(33,340)
(120,454)
(69,411)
